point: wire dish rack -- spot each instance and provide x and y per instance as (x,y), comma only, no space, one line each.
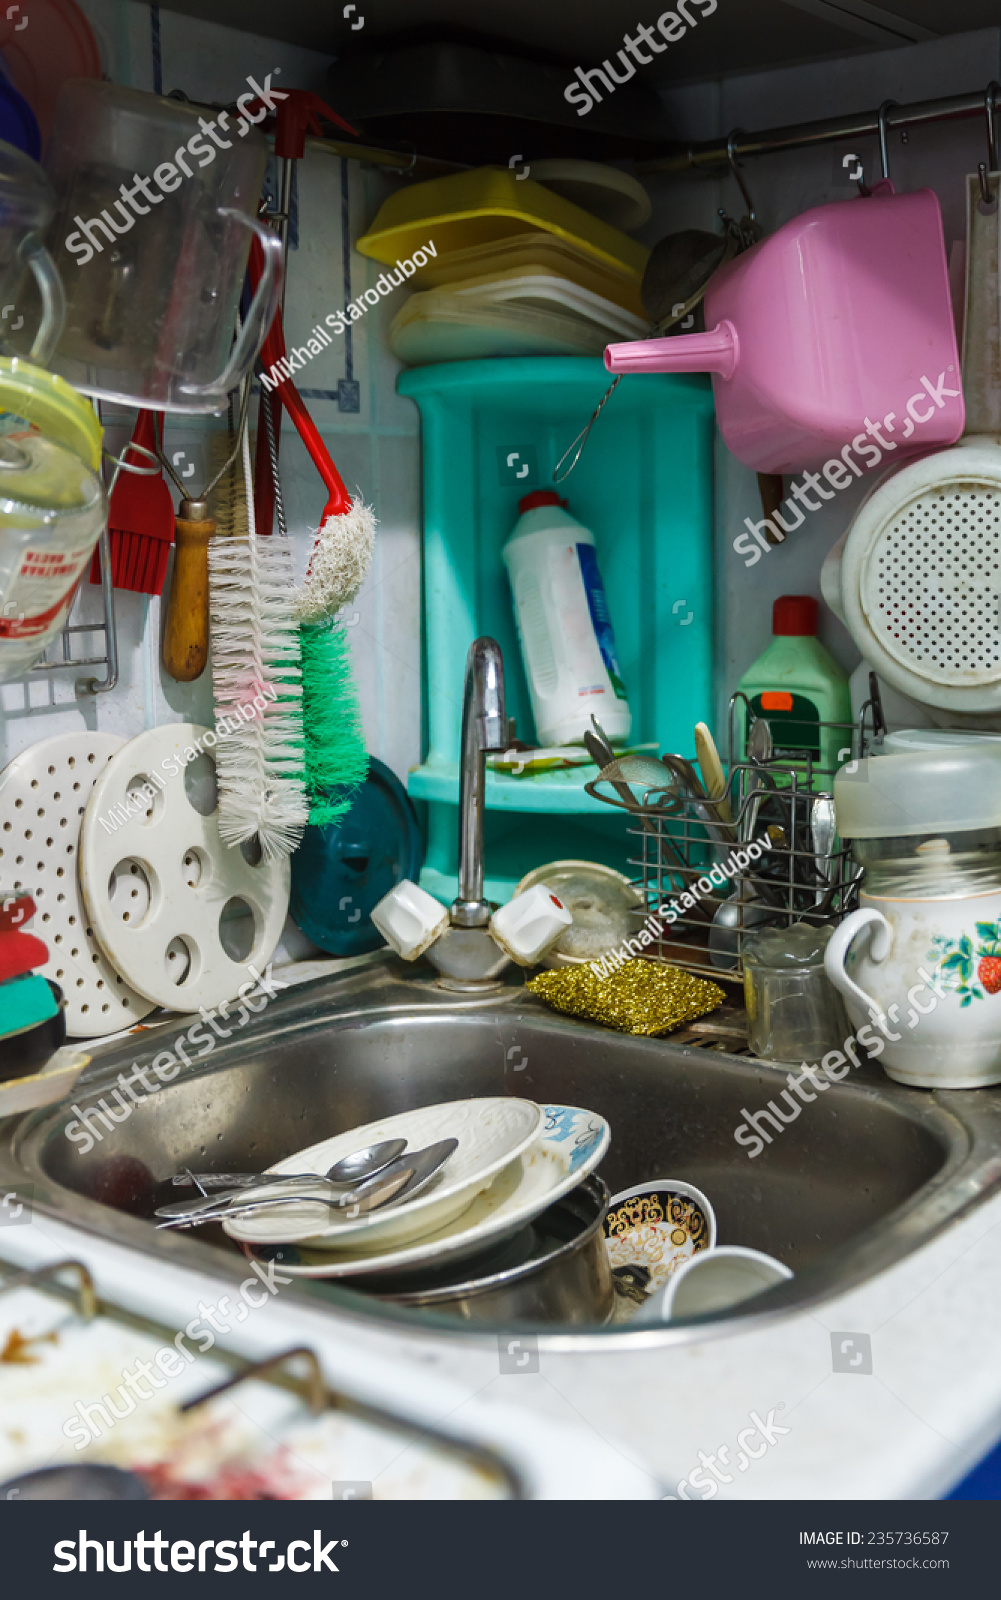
(713,870)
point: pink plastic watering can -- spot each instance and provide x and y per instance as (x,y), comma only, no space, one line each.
(838,327)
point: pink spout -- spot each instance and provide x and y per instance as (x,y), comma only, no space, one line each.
(717,352)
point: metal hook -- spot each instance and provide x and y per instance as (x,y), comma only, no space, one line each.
(884,152)
(985,188)
(735,169)
(990,107)
(991,164)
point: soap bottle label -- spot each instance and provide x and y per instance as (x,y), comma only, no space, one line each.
(597,605)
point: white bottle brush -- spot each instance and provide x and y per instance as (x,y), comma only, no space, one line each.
(257,685)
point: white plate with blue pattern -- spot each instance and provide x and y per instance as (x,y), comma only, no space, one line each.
(570,1144)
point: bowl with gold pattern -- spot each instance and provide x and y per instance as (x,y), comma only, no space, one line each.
(650,1231)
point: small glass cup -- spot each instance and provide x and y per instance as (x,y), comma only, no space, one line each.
(794,1012)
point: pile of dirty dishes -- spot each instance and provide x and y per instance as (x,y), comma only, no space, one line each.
(660,1239)
(478,1201)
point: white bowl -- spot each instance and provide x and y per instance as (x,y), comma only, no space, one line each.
(491,1133)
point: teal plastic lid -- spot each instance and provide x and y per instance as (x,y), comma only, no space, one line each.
(24,1002)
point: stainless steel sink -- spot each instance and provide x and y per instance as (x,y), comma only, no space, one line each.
(867,1173)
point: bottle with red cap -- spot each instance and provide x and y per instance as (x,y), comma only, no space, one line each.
(564,625)
(797,686)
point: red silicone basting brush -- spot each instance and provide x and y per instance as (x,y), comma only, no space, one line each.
(140,517)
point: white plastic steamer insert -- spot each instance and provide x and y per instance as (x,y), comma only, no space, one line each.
(184,916)
(43,793)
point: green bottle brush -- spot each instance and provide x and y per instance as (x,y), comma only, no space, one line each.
(336,760)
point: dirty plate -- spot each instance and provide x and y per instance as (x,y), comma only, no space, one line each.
(650,1231)
(491,1133)
(569,1146)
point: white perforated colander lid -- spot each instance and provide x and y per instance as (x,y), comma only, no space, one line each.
(185,917)
(43,795)
(921,578)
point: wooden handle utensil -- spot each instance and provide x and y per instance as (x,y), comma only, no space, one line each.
(186,633)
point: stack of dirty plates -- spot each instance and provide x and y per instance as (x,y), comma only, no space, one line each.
(513,1160)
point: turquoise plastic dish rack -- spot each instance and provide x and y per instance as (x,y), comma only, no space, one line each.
(492,430)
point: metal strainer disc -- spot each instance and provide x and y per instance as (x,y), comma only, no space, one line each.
(930,585)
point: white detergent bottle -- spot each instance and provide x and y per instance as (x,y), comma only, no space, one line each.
(564,626)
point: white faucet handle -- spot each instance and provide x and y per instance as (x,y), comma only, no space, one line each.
(530,924)
(410,919)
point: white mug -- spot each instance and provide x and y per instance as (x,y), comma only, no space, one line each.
(923,987)
(714,1281)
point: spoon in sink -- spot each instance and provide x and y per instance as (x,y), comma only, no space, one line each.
(401,1180)
(346,1173)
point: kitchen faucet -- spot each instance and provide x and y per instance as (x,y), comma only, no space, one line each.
(484,727)
(471,944)
(466,954)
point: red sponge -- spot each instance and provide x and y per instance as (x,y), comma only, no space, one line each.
(20,953)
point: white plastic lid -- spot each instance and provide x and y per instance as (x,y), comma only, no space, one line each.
(908,739)
(954,788)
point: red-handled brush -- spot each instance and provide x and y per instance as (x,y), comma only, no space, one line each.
(342,553)
(140,517)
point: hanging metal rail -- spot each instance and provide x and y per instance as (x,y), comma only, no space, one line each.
(720,152)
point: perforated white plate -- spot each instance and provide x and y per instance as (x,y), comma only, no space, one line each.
(920,578)
(43,794)
(183,915)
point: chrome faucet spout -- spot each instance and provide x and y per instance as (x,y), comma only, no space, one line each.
(484,727)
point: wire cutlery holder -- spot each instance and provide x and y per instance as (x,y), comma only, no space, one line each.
(713,870)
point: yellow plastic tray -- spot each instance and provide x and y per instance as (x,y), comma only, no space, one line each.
(490,203)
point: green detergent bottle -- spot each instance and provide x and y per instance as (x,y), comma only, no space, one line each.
(798,687)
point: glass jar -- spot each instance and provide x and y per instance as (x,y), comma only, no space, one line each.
(52,510)
(794,1012)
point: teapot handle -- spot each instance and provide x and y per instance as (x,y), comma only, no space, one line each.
(840,943)
(259,313)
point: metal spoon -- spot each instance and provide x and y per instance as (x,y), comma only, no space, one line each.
(351,1168)
(345,1173)
(743,911)
(402,1180)
(760,745)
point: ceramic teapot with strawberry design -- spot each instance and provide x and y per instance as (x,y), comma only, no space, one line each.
(920,961)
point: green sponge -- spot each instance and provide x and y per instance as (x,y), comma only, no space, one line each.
(25,1002)
(336,761)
